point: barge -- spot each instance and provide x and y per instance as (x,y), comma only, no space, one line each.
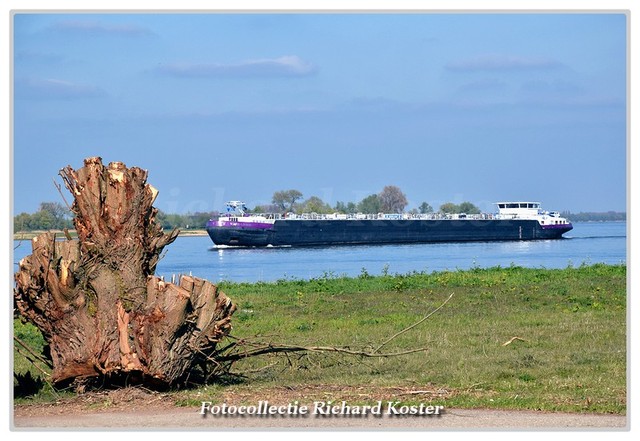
(513,221)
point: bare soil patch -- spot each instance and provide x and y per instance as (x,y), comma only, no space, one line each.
(132,399)
(140,408)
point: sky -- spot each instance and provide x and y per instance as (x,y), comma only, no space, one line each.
(450,107)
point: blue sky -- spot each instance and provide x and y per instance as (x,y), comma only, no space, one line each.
(457,107)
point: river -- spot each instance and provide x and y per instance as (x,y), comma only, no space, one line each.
(587,243)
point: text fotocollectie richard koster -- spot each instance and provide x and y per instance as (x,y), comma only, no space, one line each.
(320,408)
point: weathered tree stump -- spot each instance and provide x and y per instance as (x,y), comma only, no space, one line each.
(96,300)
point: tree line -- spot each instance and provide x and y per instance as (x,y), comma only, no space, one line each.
(56,216)
(589,216)
(50,216)
(390,200)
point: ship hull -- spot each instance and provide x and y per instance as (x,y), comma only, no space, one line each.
(384,231)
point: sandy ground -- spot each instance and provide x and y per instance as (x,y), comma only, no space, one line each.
(139,409)
(451,419)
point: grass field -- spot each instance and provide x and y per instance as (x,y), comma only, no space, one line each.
(570,354)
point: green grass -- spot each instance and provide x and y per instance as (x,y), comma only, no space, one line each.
(30,379)
(30,335)
(572,321)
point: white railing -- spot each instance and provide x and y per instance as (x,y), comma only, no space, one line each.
(363,216)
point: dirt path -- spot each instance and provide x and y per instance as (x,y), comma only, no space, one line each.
(134,408)
(181,418)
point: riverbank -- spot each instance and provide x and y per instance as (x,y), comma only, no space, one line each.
(509,338)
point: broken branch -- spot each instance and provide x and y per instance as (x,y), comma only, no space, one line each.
(271,349)
(408,328)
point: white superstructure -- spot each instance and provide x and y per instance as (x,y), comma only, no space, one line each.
(529,210)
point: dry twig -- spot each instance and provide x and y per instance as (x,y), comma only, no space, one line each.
(414,325)
(243,350)
(272,349)
(511,340)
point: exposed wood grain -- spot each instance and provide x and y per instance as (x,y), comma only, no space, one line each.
(96,299)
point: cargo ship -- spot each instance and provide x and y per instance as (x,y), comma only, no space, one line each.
(513,221)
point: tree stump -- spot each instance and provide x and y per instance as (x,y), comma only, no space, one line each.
(96,299)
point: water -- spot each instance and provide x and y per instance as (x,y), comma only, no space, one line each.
(588,242)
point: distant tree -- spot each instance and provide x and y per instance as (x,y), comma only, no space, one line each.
(171,221)
(392,199)
(50,216)
(286,199)
(425,208)
(468,208)
(595,216)
(449,207)
(199,219)
(43,220)
(348,208)
(161,218)
(268,208)
(371,204)
(59,212)
(315,205)
(22,222)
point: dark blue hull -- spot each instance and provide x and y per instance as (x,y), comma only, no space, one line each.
(367,232)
